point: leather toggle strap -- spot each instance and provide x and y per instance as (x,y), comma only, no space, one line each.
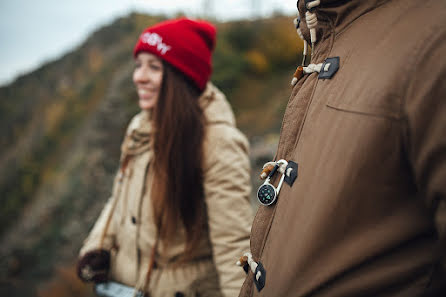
(260,277)
(329,68)
(291,172)
(248,263)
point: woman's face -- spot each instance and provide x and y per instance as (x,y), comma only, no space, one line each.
(148,76)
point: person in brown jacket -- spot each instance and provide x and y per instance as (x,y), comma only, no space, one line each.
(362,151)
(179,214)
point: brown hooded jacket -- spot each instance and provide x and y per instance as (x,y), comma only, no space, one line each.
(366,215)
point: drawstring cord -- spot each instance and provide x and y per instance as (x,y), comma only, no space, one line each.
(115,195)
(299,32)
(311,19)
(269,166)
(312,22)
(142,289)
(310,68)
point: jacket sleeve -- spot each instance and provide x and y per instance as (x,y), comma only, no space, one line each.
(425,109)
(93,241)
(227,188)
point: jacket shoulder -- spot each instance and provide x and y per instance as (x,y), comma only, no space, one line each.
(224,142)
(224,134)
(216,107)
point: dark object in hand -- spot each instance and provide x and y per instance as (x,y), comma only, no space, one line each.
(94,266)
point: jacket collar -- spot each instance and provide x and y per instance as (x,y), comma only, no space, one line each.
(335,15)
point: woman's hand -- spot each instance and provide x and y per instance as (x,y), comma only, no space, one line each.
(94,266)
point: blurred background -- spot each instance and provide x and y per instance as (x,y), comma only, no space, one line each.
(66,96)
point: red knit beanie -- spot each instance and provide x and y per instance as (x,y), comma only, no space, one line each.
(185,44)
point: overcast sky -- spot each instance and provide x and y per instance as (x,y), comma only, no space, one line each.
(33,32)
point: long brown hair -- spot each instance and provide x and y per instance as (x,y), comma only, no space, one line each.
(177,193)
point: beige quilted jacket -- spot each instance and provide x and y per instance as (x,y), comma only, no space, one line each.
(131,232)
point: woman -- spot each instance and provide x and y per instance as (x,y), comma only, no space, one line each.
(179,216)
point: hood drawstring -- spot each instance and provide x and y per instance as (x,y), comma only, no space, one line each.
(299,32)
(269,166)
(311,20)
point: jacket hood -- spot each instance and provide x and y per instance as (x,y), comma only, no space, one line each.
(215,106)
(333,16)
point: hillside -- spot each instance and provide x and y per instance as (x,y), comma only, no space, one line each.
(62,125)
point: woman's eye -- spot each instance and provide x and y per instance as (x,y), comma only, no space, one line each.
(137,65)
(155,67)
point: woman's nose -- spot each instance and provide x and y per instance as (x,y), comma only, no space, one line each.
(141,75)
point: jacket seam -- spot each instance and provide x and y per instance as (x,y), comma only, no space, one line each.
(370,114)
(405,125)
(332,39)
(409,82)
(293,94)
